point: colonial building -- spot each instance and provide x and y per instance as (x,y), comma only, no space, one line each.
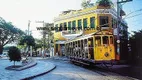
(73,23)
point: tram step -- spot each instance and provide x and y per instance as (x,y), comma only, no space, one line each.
(80,62)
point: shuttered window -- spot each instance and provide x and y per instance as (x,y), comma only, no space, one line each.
(69,25)
(79,24)
(73,25)
(56,27)
(85,23)
(92,22)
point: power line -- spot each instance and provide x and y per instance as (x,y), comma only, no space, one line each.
(134,16)
(132,13)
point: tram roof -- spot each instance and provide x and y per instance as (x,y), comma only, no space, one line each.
(80,38)
(90,35)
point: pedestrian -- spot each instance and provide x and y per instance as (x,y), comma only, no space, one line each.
(42,53)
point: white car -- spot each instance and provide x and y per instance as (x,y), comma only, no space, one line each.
(4,54)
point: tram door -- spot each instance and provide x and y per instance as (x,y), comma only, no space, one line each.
(104,48)
(108,48)
(91,48)
(98,48)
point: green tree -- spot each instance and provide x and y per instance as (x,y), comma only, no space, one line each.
(136,45)
(47,35)
(8,33)
(14,54)
(86,4)
(104,3)
(38,44)
(28,40)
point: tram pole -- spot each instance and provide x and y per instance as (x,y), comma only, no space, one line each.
(118,38)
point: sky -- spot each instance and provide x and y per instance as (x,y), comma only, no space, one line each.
(19,12)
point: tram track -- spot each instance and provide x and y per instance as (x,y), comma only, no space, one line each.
(104,71)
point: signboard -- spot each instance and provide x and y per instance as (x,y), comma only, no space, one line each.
(115,31)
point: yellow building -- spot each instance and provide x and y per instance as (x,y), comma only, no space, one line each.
(72,23)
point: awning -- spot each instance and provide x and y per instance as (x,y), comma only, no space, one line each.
(81,38)
(60,42)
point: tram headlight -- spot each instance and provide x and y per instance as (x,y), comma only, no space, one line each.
(106,54)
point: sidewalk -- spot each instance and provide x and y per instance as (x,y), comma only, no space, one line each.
(40,69)
(54,57)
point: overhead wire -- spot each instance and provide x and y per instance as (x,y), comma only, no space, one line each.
(132,13)
(134,16)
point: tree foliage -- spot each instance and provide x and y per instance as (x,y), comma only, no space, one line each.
(86,4)
(14,54)
(104,3)
(8,33)
(47,35)
(38,44)
(136,45)
(28,40)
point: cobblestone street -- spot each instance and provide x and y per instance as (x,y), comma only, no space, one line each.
(67,71)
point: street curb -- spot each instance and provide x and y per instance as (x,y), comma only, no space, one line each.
(31,77)
(30,65)
(34,64)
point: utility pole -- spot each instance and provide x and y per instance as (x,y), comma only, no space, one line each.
(44,35)
(29,27)
(43,32)
(28,33)
(118,25)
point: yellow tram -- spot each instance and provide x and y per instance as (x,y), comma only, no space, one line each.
(94,48)
(91,35)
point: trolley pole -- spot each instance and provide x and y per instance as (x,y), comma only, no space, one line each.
(118,37)
(118,26)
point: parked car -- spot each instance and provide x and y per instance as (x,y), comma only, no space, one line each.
(4,54)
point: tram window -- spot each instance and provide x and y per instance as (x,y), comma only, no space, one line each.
(85,23)
(79,24)
(105,40)
(69,25)
(111,40)
(92,22)
(104,21)
(98,41)
(60,28)
(90,42)
(76,44)
(73,25)
(65,26)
